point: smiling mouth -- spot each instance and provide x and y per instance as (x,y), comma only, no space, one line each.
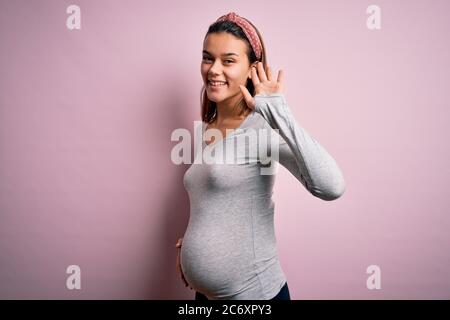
(217,84)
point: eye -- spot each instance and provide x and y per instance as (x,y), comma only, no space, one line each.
(209,59)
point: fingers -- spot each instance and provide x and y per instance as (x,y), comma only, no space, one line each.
(247,96)
(259,75)
(269,73)
(178,263)
(180,270)
(184,280)
(280,76)
(255,78)
(261,72)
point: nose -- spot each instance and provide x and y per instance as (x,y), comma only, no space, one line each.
(215,68)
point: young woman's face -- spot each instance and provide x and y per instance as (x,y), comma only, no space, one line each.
(224,60)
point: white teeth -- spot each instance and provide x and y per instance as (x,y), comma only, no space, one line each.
(217,83)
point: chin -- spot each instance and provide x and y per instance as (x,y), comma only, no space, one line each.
(215,98)
(219,96)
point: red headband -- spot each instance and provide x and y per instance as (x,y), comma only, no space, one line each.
(248,29)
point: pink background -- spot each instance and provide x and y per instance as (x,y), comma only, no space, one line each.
(85,123)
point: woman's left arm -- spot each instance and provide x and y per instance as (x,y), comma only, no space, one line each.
(299,152)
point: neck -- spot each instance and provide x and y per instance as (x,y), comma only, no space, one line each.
(226,109)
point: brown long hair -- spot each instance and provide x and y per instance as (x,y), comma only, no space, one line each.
(208,107)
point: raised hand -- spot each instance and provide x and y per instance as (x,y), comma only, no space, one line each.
(263,83)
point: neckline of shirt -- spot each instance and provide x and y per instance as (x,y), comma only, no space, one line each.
(241,126)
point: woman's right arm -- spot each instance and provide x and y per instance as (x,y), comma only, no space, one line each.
(178,266)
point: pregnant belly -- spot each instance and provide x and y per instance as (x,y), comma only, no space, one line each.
(215,265)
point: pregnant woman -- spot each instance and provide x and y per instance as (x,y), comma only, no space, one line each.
(229,248)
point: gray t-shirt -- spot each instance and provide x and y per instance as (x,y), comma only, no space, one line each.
(229,247)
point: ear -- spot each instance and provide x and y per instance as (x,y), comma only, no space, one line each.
(254,64)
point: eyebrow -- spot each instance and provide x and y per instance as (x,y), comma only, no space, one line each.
(224,54)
